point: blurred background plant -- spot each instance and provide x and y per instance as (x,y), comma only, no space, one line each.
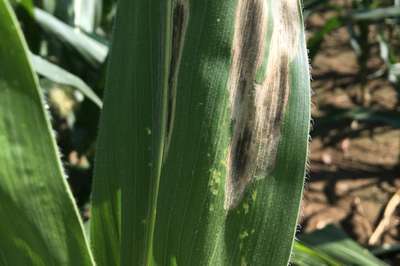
(354,164)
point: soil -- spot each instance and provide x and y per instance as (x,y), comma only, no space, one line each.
(354,165)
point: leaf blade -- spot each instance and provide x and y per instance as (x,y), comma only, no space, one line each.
(40,224)
(192,225)
(135,83)
(59,75)
(92,50)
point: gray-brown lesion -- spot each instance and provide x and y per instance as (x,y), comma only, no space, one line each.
(180,16)
(257,110)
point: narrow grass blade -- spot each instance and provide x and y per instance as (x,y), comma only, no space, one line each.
(49,5)
(59,75)
(386,250)
(376,14)
(27,4)
(92,50)
(39,222)
(312,4)
(335,116)
(203,140)
(334,242)
(305,256)
(87,14)
(315,42)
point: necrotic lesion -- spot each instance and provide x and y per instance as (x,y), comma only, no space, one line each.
(258,109)
(180,15)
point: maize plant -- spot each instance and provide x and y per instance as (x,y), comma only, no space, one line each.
(202,144)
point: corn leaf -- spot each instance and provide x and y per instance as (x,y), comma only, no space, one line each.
(376,14)
(306,256)
(203,137)
(87,14)
(315,41)
(135,82)
(93,51)
(60,75)
(336,244)
(27,4)
(39,222)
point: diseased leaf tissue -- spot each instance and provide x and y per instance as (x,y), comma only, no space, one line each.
(266,35)
(257,108)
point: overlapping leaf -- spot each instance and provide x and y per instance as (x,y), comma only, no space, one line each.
(39,222)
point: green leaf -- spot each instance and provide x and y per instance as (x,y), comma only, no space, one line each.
(59,75)
(92,50)
(27,4)
(306,256)
(315,42)
(313,4)
(39,222)
(335,116)
(335,243)
(376,14)
(386,250)
(130,148)
(87,14)
(169,188)
(50,5)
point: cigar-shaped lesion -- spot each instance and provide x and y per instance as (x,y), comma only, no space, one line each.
(180,17)
(257,109)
